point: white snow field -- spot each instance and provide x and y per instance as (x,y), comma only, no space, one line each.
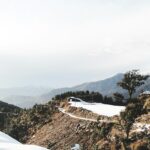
(99,108)
(8,143)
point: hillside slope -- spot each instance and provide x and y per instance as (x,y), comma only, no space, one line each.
(56,129)
(63,132)
(5,107)
(77,125)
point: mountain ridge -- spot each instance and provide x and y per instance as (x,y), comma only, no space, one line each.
(106,87)
(96,86)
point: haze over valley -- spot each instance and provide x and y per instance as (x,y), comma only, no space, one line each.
(74,75)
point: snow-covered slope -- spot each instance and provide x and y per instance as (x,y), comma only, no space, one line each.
(98,108)
(8,143)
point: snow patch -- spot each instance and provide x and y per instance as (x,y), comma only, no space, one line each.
(8,143)
(141,127)
(99,108)
(4,138)
(145,93)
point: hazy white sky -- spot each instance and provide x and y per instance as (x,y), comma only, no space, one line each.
(65,42)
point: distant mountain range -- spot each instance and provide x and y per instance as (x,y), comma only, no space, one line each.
(105,87)
(22,101)
(25,91)
(23,96)
(28,96)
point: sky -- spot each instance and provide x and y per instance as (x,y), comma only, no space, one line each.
(59,43)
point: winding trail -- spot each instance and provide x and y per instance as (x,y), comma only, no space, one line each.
(80,118)
(138,127)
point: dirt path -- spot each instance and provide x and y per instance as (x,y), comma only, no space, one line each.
(80,118)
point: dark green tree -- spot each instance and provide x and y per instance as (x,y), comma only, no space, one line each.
(118,98)
(132,111)
(131,81)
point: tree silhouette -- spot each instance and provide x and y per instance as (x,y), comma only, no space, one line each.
(131,81)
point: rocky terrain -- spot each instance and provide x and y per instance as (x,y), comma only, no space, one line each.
(57,125)
(64,131)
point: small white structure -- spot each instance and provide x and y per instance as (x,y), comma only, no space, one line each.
(75,147)
(74,99)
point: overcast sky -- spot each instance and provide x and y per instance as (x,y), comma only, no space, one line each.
(61,43)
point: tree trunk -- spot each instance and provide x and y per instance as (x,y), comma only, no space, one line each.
(127,133)
(130,95)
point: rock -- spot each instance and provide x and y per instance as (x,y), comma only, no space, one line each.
(140,145)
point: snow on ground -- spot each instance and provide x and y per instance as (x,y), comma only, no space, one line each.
(4,138)
(8,143)
(99,108)
(141,127)
(145,93)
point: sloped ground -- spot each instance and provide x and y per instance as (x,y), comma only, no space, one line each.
(62,132)
(144,118)
(65,130)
